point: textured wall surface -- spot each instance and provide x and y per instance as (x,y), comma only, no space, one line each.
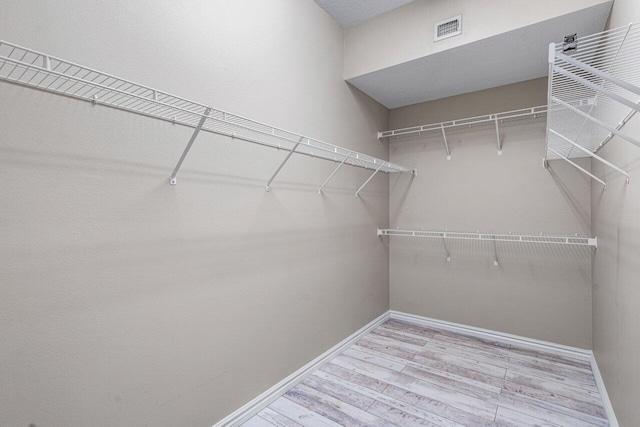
(537,291)
(127,301)
(616,271)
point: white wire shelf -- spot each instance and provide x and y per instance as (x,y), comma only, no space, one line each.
(495,119)
(572,240)
(27,67)
(603,68)
(443,236)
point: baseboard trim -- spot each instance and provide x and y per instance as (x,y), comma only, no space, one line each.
(265,399)
(608,407)
(497,336)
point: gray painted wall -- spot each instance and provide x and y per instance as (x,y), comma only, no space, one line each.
(537,291)
(616,271)
(406,33)
(126,301)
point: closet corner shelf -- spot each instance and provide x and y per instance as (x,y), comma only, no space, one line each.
(29,68)
(594,90)
(495,119)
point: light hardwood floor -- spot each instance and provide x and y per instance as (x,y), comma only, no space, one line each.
(403,374)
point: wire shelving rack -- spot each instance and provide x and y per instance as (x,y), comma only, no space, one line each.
(27,67)
(495,119)
(545,239)
(603,68)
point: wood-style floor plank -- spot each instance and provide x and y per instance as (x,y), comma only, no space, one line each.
(277,419)
(300,414)
(257,421)
(509,418)
(382,398)
(334,409)
(404,374)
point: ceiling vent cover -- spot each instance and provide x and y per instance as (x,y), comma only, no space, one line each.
(447,28)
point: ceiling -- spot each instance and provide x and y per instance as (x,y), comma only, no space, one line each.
(510,57)
(349,13)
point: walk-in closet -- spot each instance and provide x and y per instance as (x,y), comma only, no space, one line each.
(328,213)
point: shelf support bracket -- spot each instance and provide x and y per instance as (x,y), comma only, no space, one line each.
(578,167)
(268,188)
(446,249)
(498,137)
(446,144)
(204,118)
(495,254)
(334,172)
(367,181)
(595,156)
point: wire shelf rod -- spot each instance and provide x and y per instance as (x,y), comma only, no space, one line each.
(562,239)
(33,69)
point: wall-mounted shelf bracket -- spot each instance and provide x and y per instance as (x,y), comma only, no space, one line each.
(367,181)
(495,254)
(446,249)
(334,172)
(268,186)
(577,166)
(194,135)
(446,144)
(498,138)
(591,154)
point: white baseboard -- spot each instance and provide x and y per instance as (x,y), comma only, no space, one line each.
(265,399)
(608,407)
(496,336)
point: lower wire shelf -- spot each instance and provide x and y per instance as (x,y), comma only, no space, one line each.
(548,239)
(554,239)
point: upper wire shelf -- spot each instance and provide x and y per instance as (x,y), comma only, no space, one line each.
(495,119)
(33,69)
(470,121)
(604,69)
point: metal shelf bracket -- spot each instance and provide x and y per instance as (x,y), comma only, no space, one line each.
(334,172)
(172,180)
(367,181)
(268,186)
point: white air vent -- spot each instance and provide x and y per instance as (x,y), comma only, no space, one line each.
(447,28)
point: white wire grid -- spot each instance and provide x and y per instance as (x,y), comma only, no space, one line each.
(33,69)
(572,240)
(505,117)
(593,92)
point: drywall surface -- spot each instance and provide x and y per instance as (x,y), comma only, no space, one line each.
(406,33)
(537,291)
(616,271)
(130,302)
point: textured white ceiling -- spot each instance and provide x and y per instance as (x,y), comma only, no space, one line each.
(510,57)
(349,13)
